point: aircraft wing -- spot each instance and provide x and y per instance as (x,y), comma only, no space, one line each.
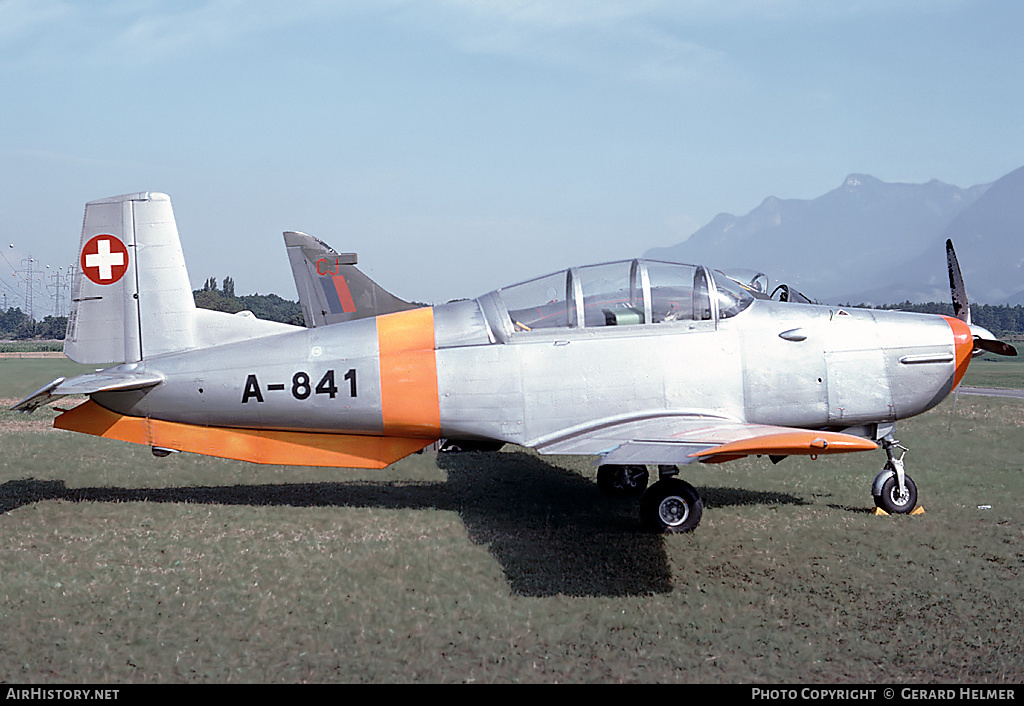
(683,439)
(102,381)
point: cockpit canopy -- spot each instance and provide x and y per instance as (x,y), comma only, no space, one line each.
(624,293)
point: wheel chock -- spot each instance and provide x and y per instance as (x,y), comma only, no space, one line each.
(879,512)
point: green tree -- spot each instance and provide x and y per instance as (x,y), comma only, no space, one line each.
(263,306)
(52,327)
(12,320)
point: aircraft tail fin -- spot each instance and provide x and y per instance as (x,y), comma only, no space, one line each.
(131,297)
(331,288)
(129,243)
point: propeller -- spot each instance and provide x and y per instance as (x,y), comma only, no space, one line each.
(983,339)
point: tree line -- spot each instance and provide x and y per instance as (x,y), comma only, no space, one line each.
(263,306)
(16,324)
(1002,320)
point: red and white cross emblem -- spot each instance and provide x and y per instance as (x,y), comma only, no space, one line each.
(104,259)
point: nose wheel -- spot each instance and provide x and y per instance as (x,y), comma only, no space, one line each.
(895,501)
(893,490)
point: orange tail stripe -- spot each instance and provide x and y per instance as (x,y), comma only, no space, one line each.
(408,374)
(286,448)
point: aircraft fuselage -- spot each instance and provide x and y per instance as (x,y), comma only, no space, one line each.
(443,372)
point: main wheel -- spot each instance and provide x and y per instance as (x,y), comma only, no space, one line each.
(894,502)
(671,505)
(622,481)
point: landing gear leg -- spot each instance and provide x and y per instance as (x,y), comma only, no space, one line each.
(622,481)
(893,490)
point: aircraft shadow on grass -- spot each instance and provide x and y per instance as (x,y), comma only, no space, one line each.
(552,531)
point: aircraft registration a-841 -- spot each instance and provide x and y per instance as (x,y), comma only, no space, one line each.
(637,363)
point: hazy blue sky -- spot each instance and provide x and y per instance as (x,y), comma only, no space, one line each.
(460,145)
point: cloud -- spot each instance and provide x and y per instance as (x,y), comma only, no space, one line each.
(21,17)
(137,33)
(633,41)
(646,41)
(639,40)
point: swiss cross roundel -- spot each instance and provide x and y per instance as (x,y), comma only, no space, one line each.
(104,259)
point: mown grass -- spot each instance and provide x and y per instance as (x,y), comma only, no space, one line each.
(997,371)
(23,376)
(121,567)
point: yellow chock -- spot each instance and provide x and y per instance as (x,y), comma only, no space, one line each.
(879,512)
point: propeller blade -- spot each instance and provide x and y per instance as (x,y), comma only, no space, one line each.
(993,346)
(961,307)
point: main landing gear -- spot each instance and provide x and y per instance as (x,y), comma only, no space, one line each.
(893,490)
(670,505)
(673,505)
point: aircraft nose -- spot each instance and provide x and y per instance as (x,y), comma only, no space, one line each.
(964,342)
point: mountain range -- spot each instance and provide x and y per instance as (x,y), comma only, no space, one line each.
(873,242)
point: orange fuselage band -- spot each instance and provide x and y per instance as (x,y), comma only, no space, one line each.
(408,374)
(964,341)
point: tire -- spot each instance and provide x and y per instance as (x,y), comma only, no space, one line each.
(892,502)
(622,481)
(671,506)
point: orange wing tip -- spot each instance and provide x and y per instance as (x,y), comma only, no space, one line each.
(285,448)
(790,443)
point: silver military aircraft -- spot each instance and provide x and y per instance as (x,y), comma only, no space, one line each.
(638,363)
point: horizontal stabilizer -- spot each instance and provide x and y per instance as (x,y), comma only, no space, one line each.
(102,381)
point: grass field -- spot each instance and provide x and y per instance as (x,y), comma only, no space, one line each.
(121,567)
(997,371)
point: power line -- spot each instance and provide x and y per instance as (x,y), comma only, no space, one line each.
(30,286)
(29,289)
(60,285)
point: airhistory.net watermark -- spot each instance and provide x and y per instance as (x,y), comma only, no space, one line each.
(43,694)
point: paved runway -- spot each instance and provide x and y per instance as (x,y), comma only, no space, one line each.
(992,392)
